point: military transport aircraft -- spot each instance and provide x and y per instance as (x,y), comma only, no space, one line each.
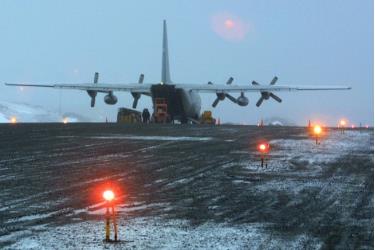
(183,100)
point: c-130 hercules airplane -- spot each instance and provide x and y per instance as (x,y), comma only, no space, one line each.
(183,100)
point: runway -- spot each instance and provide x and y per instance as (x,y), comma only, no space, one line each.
(189,187)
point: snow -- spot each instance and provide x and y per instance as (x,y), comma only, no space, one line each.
(155,138)
(30,113)
(31,217)
(121,208)
(291,159)
(71,119)
(157,233)
(305,153)
(163,233)
(276,123)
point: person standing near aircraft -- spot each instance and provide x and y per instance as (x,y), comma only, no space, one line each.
(145,116)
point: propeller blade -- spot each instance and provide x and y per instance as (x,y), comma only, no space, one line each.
(92,101)
(230,80)
(231,98)
(136,97)
(214,104)
(92,94)
(259,102)
(135,103)
(254,83)
(141,77)
(275,97)
(274,80)
(96,78)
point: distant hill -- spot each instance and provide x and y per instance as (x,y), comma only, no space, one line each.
(23,112)
(278,121)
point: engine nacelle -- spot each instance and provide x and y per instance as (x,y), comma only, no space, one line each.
(242,100)
(220,96)
(265,95)
(110,99)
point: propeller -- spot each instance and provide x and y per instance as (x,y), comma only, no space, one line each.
(230,80)
(136,96)
(231,98)
(92,93)
(141,77)
(96,77)
(221,96)
(265,95)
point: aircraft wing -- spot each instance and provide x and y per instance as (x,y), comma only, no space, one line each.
(144,88)
(211,88)
(204,88)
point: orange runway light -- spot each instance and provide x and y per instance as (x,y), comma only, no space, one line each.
(342,125)
(65,120)
(317,129)
(108,195)
(13,120)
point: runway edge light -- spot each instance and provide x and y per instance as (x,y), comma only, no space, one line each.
(317,132)
(263,148)
(342,125)
(109,197)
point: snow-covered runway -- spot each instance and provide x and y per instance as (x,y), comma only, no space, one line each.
(185,187)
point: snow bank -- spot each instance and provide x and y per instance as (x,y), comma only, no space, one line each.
(155,138)
(30,113)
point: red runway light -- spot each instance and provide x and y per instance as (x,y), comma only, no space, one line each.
(108,195)
(263,147)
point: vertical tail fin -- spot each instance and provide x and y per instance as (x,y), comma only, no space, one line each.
(165,76)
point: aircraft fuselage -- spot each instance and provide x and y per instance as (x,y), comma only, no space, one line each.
(182,104)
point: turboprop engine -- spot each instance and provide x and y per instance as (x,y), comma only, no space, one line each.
(242,100)
(110,99)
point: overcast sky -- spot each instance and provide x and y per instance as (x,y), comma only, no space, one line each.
(302,42)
